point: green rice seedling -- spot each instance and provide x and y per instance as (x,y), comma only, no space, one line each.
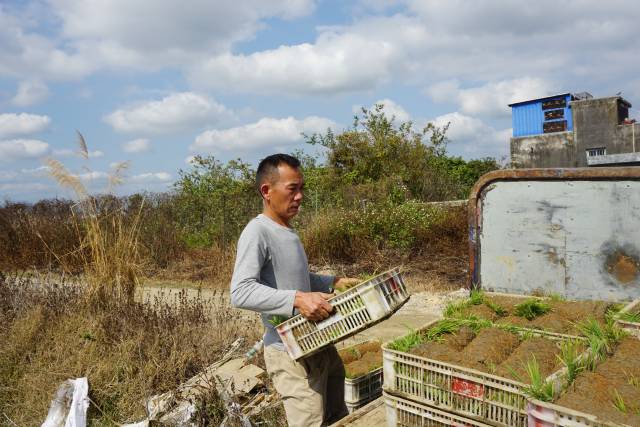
(276,319)
(556,297)
(407,342)
(618,402)
(599,342)
(569,357)
(634,381)
(454,309)
(532,308)
(629,316)
(476,297)
(497,309)
(538,387)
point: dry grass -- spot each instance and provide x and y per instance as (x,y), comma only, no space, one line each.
(128,352)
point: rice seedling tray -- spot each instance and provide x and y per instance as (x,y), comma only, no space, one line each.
(553,313)
(629,318)
(545,414)
(362,390)
(355,309)
(405,413)
(464,391)
(363,367)
(607,395)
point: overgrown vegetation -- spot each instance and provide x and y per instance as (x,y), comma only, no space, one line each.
(366,200)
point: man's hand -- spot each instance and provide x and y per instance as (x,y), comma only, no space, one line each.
(341,284)
(313,305)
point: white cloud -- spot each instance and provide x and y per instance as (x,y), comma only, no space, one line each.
(473,137)
(22,124)
(150,177)
(492,98)
(267,132)
(139,145)
(173,113)
(16,149)
(30,92)
(148,34)
(342,59)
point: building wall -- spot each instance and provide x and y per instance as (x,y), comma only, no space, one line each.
(595,125)
(549,150)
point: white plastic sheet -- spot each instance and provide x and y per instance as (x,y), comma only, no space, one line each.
(69,407)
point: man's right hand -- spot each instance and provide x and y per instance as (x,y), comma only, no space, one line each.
(313,305)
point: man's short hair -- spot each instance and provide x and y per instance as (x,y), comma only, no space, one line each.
(268,167)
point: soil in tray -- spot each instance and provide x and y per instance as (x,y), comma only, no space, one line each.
(545,352)
(562,318)
(493,351)
(615,382)
(361,359)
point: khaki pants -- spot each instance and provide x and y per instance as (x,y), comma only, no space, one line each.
(312,388)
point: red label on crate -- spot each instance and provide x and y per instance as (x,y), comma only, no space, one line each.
(467,388)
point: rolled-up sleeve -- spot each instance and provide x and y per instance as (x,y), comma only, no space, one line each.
(320,282)
(246,290)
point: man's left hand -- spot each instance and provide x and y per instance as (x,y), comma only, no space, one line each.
(342,284)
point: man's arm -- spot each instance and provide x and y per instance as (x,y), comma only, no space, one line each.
(246,290)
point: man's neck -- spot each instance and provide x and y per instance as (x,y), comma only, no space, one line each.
(273,216)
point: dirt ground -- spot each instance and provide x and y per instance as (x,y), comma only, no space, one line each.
(615,382)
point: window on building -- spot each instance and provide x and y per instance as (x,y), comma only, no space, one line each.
(600,151)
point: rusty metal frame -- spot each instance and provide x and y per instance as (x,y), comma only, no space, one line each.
(552,174)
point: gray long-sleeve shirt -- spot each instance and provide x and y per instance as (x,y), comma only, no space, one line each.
(270,267)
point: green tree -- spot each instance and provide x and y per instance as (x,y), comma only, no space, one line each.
(215,200)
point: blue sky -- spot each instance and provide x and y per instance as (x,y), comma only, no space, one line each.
(155,82)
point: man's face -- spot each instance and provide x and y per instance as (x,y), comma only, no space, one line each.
(285,195)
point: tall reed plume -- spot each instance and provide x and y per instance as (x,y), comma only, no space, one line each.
(108,241)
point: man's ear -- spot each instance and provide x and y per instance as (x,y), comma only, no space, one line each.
(264,190)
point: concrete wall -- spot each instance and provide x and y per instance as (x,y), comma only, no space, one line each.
(595,125)
(550,150)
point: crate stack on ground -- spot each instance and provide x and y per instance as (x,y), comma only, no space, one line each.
(363,367)
(428,385)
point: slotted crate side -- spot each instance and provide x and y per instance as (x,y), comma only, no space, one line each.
(356,309)
(458,389)
(363,389)
(544,414)
(632,327)
(405,413)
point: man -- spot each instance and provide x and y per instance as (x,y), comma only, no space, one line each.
(271,276)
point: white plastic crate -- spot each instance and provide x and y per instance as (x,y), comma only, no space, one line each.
(544,414)
(464,391)
(405,413)
(355,309)
(362,390)
(632,327)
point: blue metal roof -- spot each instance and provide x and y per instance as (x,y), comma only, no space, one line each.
(528,101)
(528,117)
